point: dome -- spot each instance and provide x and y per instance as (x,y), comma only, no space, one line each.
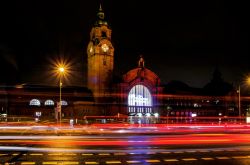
(142,74)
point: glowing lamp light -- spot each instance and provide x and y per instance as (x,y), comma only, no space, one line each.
(156,114)
(61,69)
(148,115)
(248,80)
(248,120)
(196,105)
(4,115)
(193,114)
(139,115)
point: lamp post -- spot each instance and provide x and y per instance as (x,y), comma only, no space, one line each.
(239,103)
(61,71)
(247,82)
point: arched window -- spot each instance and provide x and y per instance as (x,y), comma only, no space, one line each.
(35,102)
(139,101)
(49,103)
(139,95)
(64,103)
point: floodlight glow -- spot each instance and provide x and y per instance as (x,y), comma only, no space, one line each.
(139,115)
(193,114)
(156,114)
(248,119)
(148,115)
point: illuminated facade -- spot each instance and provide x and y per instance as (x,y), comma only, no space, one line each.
(100,57)
(136,95)
(141,89)
(140,93)
(29,100)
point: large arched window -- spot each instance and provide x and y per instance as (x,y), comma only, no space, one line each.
(139,95)
(49,103)
(35,102)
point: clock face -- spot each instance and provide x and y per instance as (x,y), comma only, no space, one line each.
(105,48)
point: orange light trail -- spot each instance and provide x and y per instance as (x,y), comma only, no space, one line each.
(191,139)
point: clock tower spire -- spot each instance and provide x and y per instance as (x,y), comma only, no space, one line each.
(100,56)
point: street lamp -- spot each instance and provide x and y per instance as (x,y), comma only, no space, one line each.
(248,113)
(61,72)
(239,104)
(246,82)
(61,69)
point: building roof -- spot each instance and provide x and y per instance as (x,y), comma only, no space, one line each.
(73,92)
(141,73)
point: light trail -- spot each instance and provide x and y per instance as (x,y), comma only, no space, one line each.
(124,128)
(189,139)
(57,151)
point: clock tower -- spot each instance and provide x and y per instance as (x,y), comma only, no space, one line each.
(100,57)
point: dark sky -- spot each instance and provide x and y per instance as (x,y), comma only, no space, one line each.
(180,40)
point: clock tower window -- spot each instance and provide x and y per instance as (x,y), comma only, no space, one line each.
(104,35)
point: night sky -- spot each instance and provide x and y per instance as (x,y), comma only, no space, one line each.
(180,40)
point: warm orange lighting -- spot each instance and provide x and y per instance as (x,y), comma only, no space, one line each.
(248,80)
(61,69)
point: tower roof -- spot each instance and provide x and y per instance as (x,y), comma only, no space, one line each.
(100,17)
